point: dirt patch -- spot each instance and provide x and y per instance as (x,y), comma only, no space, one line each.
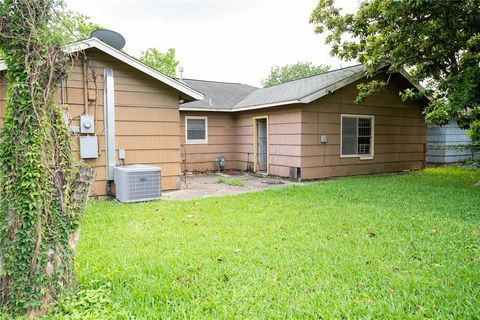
(203,186)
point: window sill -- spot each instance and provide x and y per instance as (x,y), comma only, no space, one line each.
(196,142)
(357,156)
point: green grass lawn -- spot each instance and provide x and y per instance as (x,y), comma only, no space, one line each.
(397,246)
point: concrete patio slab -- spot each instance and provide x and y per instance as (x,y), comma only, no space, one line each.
(203,186)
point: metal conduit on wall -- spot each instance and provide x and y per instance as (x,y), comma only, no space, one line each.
(109,121)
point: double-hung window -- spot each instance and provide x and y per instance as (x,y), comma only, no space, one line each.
(357,136)
(196,130)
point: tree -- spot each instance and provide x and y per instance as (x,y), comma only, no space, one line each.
(163,62)
(71,26)
(292,72)
(43,189)
(79,24)
(437,42)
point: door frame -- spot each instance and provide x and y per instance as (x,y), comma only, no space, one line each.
(255,142)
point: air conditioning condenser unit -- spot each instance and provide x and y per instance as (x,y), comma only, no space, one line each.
(135,183)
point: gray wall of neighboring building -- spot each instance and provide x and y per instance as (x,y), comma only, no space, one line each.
(441,142)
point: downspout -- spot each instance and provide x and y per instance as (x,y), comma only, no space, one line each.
(109,123)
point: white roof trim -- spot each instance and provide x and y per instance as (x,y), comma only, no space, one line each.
(312,96)
(334,86)
(206,109)
(418,86)
(267,105)
(260,106)
(95,43)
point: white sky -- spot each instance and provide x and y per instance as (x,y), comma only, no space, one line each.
(221,40)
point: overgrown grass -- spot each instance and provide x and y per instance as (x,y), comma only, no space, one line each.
(237,182)
(388,246)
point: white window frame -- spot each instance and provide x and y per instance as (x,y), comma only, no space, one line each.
(372,140)
(196,141)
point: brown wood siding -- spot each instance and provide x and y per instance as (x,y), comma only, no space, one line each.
(399,133)
(201,157)
(231,135)
(146,117)
(284,138)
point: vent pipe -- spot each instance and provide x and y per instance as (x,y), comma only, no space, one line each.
(180,70)
(109,121)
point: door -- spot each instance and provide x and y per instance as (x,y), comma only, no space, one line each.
(261,145)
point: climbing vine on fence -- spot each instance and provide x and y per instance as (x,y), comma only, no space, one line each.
(43,190)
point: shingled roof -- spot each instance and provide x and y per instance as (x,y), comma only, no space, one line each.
(220,96)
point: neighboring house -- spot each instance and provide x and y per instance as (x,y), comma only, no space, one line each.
(308,128)
(448,144)
(144,114)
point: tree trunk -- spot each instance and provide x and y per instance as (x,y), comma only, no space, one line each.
(43,191)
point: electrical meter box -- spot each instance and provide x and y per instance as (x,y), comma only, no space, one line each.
(87,124)
(88,147)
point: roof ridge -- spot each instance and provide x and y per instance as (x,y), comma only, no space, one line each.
(313,75)
(259,89)
(213,81)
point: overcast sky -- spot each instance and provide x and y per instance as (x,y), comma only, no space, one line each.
(221,40)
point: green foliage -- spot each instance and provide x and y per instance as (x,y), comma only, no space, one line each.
(367,89)
(372,247)
(85,304)
(79,24)
(289,72)
(438,42)
(40,201)
(162,62)
(70,26)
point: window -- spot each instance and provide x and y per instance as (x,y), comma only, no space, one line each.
(357,136)
(196,130)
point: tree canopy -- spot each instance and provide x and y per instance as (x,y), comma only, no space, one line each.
(437,42)
(163,62)
(79,24)
(281,74)
(69,25)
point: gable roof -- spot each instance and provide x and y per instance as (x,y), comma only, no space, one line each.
(81,45)
(218,95)
(303,90)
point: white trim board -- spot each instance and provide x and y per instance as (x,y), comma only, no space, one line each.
(196,141)
(372,137)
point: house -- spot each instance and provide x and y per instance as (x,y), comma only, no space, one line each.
(449,144)
(309,128)
(123,112)
(117,103)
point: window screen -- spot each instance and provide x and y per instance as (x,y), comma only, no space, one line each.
(349,136)
(356,135)
(364,135)
(196,129)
